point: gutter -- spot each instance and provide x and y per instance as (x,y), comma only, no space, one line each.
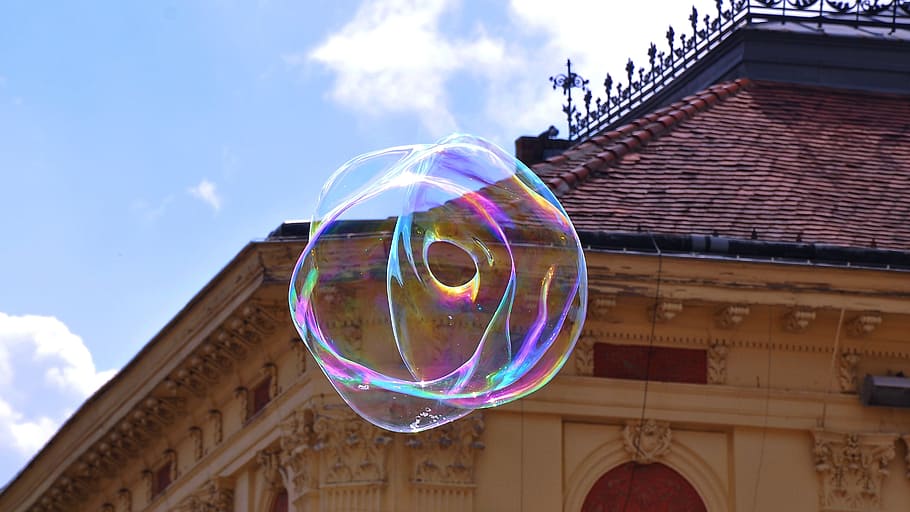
(735,248)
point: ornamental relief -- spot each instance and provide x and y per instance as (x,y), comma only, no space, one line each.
(646,442)
(717,363)
(156,412)
(584,356)
(352,450)
(852,468)
(296,451)
(847,372)
(446,454)
(216,495)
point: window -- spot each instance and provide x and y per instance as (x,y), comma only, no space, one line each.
(666,364)
(635,487)
(162,478)
(261,396)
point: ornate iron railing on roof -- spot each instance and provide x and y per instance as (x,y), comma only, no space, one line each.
(706,32)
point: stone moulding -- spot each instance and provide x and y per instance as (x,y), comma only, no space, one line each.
(852,468)
(717,363)
(646,442)
(153,413)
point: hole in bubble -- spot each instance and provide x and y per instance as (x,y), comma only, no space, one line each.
(450,264)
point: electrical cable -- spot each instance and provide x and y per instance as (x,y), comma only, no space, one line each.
(764,429)
(644,402)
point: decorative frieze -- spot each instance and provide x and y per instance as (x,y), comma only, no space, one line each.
(665,311)
(717,363)
(353,451)
(600,305)
(852,468)
(446,454)
(584,356)
(215,495)
(646,442)
(798,319)
(298,456)
(864,324)
(731,316)
(847,372)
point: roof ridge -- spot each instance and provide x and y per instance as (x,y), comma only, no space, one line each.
(633,136)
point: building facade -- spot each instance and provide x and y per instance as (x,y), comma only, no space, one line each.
(748,248)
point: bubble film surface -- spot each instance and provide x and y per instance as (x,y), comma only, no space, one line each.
(438,279)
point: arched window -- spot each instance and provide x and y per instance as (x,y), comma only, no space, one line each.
(635,487)
(280,503)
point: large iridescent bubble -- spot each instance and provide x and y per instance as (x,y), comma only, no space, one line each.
(438,279)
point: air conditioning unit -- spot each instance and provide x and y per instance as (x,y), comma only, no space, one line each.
(886,391)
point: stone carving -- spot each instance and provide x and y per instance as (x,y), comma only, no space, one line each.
(717,363)
(852,468)
(216,495)
(352,449)
(600,305)
(164,410)
(667,310)
(445,455)
(731,316)
(270,462)
(584,356)
(196,437)
(107,507)
(646,442)
(242,395)
(230,342)
(217,426)
(124,500)
(846,372)
(297,450)
(798,319)
(864,324)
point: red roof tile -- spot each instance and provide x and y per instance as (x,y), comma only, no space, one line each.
(788,161)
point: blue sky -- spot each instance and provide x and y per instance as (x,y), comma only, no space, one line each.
(143,144)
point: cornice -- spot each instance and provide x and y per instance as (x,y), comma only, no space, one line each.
(148,394)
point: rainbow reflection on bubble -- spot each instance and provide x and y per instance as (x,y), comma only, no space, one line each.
(465,287)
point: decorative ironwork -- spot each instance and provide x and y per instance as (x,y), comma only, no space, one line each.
(567,82)
(705,32)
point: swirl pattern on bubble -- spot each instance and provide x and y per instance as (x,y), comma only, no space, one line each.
(438,279)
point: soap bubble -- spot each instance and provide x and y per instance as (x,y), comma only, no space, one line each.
(438,279)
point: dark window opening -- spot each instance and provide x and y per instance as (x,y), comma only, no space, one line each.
(281,502)
(666,364)
(162,479)
(261,396)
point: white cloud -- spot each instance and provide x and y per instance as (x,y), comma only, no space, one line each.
(31,409)
(206,192)
(392,58)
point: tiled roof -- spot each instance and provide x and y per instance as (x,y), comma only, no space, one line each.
(765,160)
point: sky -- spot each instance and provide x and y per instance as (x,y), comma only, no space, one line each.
(143,144)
